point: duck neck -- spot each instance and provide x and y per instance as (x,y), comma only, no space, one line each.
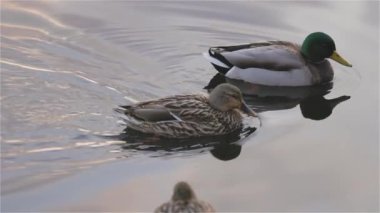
(312,60)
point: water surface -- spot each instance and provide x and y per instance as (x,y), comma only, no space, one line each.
(66,64)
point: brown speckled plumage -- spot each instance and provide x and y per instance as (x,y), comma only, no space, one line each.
(188,116)
(198,118)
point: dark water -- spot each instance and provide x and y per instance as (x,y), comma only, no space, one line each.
(66,65)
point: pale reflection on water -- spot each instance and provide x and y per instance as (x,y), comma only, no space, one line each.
(66,64)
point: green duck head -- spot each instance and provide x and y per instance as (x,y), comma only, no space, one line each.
(227,97)
(318,46)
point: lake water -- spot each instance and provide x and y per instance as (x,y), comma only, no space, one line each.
(65,65)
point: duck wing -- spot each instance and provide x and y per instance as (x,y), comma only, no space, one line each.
(173,129)
(166,109)
(154,114)
(190,123)
(271,55)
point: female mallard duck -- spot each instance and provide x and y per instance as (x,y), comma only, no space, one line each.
(279,63)
(184,116)
(184,200)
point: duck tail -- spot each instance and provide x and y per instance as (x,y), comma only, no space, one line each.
(134,124)
(217,60)
(123,109)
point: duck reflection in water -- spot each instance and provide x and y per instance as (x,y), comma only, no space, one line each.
(311,100)
(224,147)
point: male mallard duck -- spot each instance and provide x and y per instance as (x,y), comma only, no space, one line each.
(184,200)
(279,63)
(184,116)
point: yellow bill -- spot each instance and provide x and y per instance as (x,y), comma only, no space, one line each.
(336,57)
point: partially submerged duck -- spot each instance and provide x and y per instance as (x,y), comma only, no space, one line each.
(184,200)
(279,63)
(185,116)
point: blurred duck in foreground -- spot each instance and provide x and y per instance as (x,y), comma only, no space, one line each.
(184,200)
(279,63)
(185,116)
